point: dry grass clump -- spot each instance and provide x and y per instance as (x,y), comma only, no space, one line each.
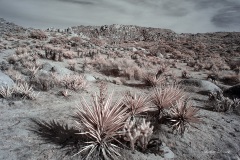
(101,122)
(38,34)
(59,40)
(183,114)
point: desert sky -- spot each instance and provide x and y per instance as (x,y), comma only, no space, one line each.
(182,16)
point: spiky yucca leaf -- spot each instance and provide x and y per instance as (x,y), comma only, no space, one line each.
(164,98)
(101,122)
(26,90)
(153,80)
(183,113)
(6,92)
(137,104)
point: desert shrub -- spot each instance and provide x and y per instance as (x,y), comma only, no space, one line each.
(220,103)
(58,40)
(75,41)
(44,82)
(38,34)
(97,42)
(73,82)
(69,54)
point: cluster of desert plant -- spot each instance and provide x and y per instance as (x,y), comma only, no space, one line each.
(38,34)
(23,57)
(73,82)
(221,103)
(22,90)
(121,67)
(52,53)
(103,127)
(59,40)
(44,82)
(57,54)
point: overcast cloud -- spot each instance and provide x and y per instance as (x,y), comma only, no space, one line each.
(181,16)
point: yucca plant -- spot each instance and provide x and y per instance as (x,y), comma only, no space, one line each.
(182,114)
(137,104)
(6,92)
(163,98)
(26,91)
(153,80)
(101,122)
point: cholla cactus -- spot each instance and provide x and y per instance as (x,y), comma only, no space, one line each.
(146,133)
(131,133)
(134,132)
